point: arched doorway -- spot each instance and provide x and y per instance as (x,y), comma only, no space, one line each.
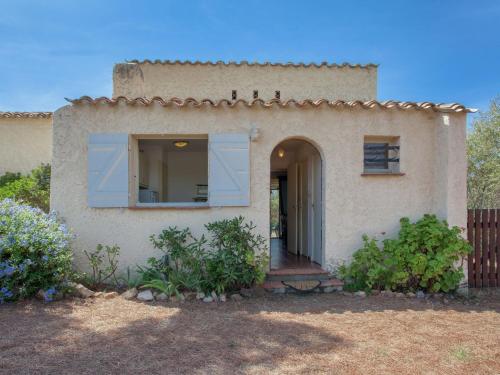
(296,207)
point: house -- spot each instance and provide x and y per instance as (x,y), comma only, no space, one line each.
(185,143)
(25,140)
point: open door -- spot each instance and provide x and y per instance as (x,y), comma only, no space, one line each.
(292,204)
(300,163)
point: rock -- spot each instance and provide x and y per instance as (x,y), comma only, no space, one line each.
(178,298)
(98,295)
(161,297)
(410,295)
(246,292)
(258,292)
(360,293)
(463,292)
(208,299)
(328,289)
(83,292)
(279,290)
(213,295)
(145,295)
(420,294)
(222,298)
(387,293)
(446,301)
(375,292)
(40,295)
(400,295)
(130,294)
(200,295)
(347,294)
(236,297)
(190,296)
(110,295)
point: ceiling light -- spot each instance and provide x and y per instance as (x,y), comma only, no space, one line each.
(281,153)
(181,144)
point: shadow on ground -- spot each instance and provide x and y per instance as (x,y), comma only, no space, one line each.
(259,335)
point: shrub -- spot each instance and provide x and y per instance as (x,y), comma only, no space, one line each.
(104,263)
(424,256)
(34,252)
(182,264)
(237,258)
(33,189)
(9,177)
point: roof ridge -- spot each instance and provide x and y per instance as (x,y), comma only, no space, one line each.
(370,104)
(254,63)
(25,114)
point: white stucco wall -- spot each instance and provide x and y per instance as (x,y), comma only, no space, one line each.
(25,143)
(217,82)
(432,158)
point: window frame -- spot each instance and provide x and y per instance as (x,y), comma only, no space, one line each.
(393,168)
(134,182)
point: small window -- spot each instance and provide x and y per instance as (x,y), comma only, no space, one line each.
(277,94)
(381,154)
(255,94)
(173,170)
(234,95)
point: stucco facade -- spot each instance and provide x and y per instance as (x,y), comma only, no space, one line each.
(25,141)
(218,80)
(432,154)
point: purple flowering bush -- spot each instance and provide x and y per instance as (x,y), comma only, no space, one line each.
(34,252)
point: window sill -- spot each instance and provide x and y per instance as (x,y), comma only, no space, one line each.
(170,206)
(366,174)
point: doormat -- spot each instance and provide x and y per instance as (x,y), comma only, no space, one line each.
(304,286)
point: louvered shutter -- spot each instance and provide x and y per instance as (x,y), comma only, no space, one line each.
(229,170)
(108,170)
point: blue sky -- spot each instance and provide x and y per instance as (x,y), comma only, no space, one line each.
(432,50)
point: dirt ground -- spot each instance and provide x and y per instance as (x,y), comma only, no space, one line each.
(331,334)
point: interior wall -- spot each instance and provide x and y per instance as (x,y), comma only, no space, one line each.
(151,167)
(185,171)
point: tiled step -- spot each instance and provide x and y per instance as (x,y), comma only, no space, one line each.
(297,274)
(326,286)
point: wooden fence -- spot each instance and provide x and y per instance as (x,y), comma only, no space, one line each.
(483,233)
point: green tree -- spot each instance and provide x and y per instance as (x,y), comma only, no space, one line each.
(32,189)
(483,154)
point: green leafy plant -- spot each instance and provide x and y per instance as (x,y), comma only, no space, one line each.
(104,263)
(483,159)
(9,177)
(32,189)
(182,265)
(237,258)
(34,252)
(426,256)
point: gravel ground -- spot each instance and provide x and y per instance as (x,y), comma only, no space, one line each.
(291,334)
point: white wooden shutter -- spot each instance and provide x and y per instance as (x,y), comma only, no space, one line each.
(229,170)
(108,170)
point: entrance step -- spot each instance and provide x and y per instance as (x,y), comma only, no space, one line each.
(297,274)
(305,286)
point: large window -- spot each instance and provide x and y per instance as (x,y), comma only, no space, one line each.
(173,170)
(141,171)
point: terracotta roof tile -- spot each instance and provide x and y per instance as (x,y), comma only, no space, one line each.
(260,64)
(191,102)
(25,114)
